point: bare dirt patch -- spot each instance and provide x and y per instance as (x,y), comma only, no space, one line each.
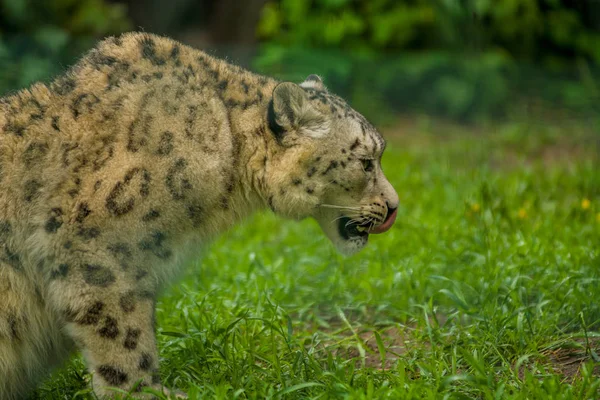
(565,358)
(568,358)
(362,346)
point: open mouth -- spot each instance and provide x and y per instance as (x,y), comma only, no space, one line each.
(350,229)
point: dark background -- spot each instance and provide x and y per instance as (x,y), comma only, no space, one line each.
(465,60)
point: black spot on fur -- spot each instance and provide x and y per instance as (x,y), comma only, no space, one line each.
(64,86)
(97,185)
(92,314)
(68,244)
(88,233)
(122,252)
(214,74)
(15,129)
(175,53)
(98,59)
(151,216)
(83,212)
(75,191)
(34,153)
(131,339)
(147,295)
(148,48)
(222,85)
(127,302)
(5,230)
(355,144)
(363,128)
(13,259)
(67,149)
(231,103)
(139,129)
(31,190)
(120,248)
(165,145)
(191,117)
(97,275)
(187,73)
(224,202)
(230,186)
(145,363)
(13,325)
(115,40)
(179,93)
(170,107)
(84,102)
(102,156)
(55,220)
(154,243)
(195,213)
(61,272)
(140,274)
(332,165)
(310,190)
(109,330)
(115,203)
(155,378)
(55,123)
(204,62)
(138,133)
(114,376)
(177,185)
(33,106)
(311,171)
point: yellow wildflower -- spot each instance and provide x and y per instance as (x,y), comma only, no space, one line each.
(585,204)
(475,207)
(598,217)
(522,213)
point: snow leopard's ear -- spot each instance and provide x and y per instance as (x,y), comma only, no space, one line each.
(291,111)
(313,82)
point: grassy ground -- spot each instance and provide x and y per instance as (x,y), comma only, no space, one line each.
(487,287)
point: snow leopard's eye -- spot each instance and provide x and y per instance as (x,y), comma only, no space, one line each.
(367,165)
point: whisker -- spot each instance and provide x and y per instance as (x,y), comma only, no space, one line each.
(340,207)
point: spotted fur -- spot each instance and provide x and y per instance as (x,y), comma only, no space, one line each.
(115,173)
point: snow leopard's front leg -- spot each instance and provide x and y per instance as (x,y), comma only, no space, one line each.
(108,309)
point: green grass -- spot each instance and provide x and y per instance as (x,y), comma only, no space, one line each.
(487,287)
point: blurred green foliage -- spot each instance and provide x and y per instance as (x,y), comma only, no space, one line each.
(464,59)
(458,58)
(39,38)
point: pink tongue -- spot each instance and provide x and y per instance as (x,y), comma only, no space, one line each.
(386,225)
